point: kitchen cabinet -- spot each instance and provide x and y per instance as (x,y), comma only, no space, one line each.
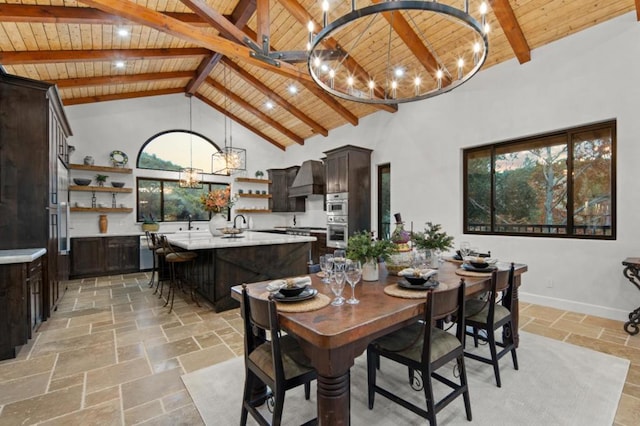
(96,256)
(107,189)
(34,150)
(319,247)
(336,172)
(281,180)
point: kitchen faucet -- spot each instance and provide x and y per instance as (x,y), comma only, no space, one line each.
(244,220)
(190,227)
(294,220)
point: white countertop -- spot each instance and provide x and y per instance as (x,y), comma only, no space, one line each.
(204,240)
(21,255)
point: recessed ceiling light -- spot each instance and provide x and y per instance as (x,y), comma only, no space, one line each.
(399,72)
(269,105)
(123,32)
(293,89)
(119,64)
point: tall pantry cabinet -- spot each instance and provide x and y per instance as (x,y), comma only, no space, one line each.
(33,151)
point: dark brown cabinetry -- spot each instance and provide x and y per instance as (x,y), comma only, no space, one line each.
(21,304)
(281,180)
(319,247)
(33,149)
(96,256)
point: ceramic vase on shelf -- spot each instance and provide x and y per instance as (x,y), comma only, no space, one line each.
(103,222)
(217,222)
(370,271)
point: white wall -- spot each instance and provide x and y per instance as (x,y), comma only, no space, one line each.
(585,78)
(581,79)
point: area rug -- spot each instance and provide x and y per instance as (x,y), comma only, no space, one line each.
(557,384)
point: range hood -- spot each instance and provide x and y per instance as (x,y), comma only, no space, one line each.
(309,180)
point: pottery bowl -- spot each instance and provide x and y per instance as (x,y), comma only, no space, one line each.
(81,182)
(415,280)
(293,290)
(117,184)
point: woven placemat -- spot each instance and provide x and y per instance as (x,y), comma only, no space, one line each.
(396,291)
(315,303)
(465,273)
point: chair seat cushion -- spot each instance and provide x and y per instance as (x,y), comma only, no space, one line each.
(408,342)
(478,311)
(294,362)
(183,256)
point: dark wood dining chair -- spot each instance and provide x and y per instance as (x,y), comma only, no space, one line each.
(424,348)
(490,315)
(277,362)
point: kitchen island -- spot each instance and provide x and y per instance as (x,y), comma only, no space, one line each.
(251,257)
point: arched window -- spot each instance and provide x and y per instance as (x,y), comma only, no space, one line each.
(176,149)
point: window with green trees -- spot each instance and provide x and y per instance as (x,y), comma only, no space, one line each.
(559,185)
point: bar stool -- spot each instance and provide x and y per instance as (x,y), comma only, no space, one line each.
(180,270)
(161,266)
(152,245)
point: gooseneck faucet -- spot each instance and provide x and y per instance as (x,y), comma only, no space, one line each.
(244,220)
(189,227)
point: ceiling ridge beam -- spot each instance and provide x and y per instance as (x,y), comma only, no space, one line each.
(255,111)
(303,17)
(240,121)
(317,128)
(51,56)
(512,30)
(178,29)
(121,96)
(121,79)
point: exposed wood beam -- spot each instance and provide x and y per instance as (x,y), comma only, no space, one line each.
(216,19)
(121,79)
(303,17)
(120,96)
(264,33)
(317,128)
(414,44)
(638,10)
(240,121)
(163,23)
(240,16)
(512,30)
(52,56)
(255,111)
(74,15)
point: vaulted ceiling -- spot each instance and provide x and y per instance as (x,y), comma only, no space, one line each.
(200,48)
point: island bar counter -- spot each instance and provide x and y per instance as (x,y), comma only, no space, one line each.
(252,257)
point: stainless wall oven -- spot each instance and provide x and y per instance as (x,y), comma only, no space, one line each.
(337,231)
(338,204)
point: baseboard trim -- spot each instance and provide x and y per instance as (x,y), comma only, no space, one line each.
(570,305)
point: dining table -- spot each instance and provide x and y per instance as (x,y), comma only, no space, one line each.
(334,336)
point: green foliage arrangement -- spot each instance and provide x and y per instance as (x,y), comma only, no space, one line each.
(361,246)
(432,238)
(148,219)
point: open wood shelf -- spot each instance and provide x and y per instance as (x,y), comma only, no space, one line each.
(254,195)
(100,168)
(99,189)
(252,211)
(252,180)
(102,209)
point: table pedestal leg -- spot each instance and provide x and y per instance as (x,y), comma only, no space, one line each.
(631,326)
(334,400)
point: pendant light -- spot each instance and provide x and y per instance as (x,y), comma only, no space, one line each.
(229,160)
(190,177)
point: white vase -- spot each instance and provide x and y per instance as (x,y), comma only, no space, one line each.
(370,271)
(217,222)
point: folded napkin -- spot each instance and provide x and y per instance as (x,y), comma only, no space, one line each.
(276,285)
(423,273)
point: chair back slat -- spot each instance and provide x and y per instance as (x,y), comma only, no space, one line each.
(439,305)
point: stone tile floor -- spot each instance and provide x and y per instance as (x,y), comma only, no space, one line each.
(112,354)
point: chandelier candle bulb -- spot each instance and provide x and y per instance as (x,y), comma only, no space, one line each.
(325,13)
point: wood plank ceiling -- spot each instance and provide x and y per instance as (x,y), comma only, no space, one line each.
(197,47)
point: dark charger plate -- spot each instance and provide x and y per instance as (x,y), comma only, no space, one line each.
(429,284)
(472,268)
(308,293)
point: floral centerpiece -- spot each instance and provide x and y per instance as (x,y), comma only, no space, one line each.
(432,240)
(218,202)
(361,246)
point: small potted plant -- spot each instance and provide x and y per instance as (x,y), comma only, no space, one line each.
(361,246)
(431,240)
(259,174)
(101,179)
(149,223)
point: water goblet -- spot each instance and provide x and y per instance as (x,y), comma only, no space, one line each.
(326,265)
(339,257)
(465,247)
(337,285)
(354,273)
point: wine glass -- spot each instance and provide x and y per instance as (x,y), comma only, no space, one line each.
(465,247)
(339,257)
(354,273)
(337,285)
(326,265)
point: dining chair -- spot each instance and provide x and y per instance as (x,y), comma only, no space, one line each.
(490,315)
(424,348)
(180,271)
(278,362)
